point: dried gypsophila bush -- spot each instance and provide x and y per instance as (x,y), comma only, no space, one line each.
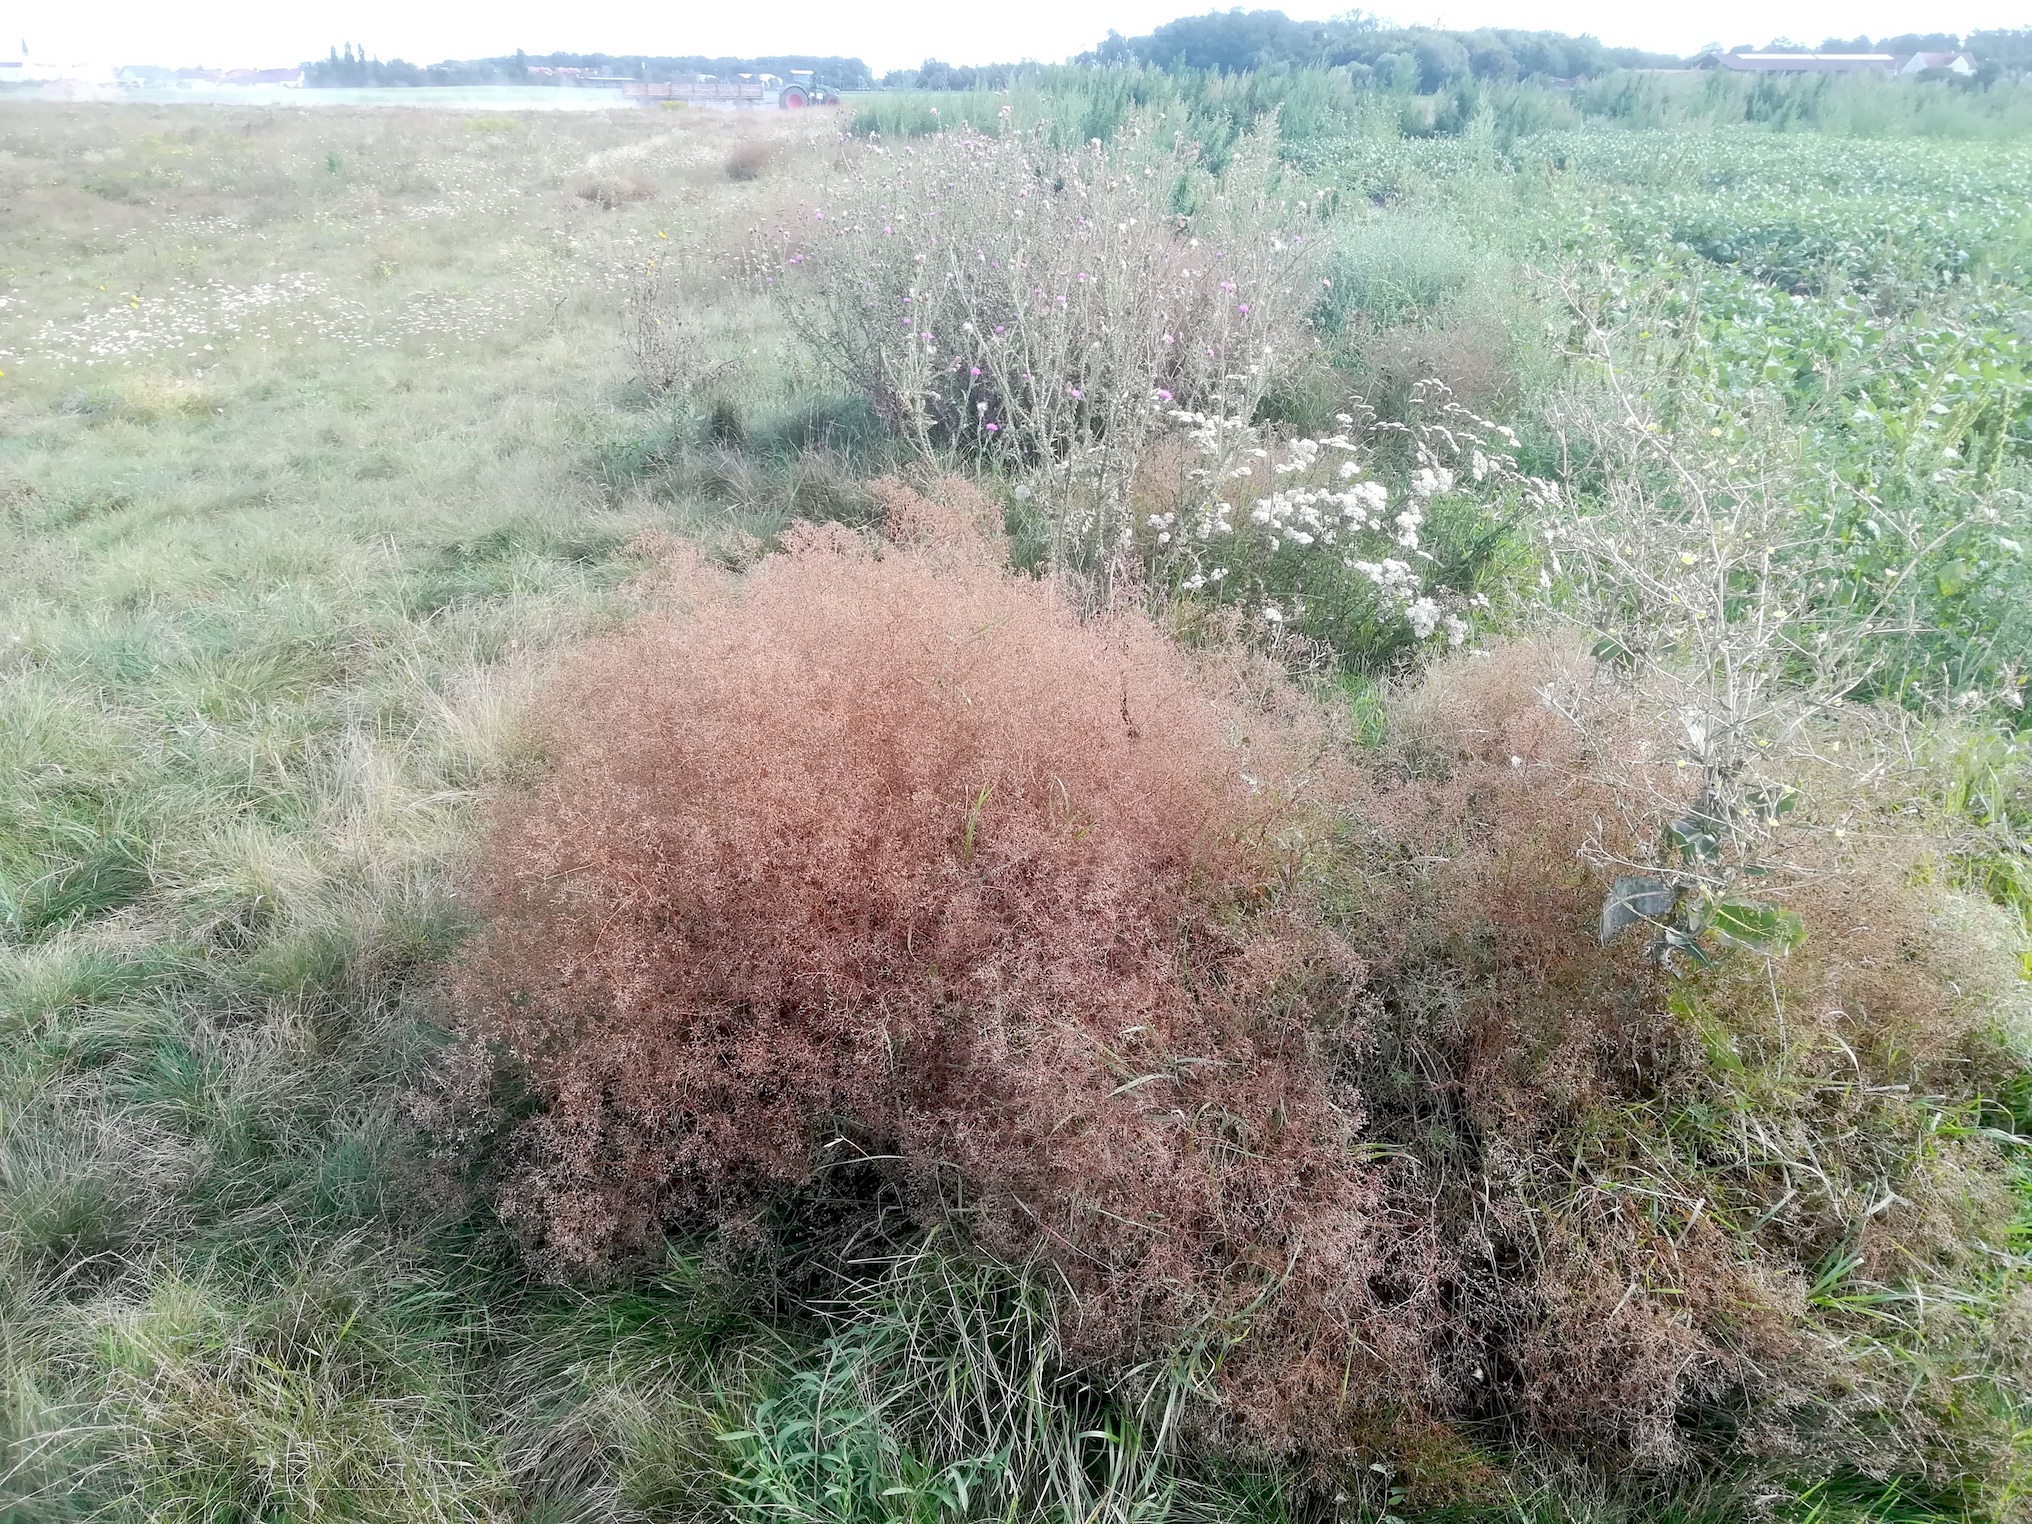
(1040,310)
(1762,1186)
(1503,1032)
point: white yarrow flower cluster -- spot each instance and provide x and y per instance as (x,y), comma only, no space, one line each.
(1320,495)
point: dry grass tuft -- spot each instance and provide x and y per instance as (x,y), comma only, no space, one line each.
(609,192)
(752,159)
(1468,359)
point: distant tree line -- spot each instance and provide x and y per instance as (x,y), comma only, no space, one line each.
(1420,58)
(1428,59)
(353,66)
(933,75)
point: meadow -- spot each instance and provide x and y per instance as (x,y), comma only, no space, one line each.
(1506,528)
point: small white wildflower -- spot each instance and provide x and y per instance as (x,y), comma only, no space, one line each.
(1431,481)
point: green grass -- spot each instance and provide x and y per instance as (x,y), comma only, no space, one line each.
(272,594)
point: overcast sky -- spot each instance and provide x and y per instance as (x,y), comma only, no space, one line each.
(898,33)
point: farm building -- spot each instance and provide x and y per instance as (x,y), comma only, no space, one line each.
(1799,63)
(1904,65)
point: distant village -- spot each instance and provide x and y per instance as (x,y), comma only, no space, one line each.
(349,67)
(23,68)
